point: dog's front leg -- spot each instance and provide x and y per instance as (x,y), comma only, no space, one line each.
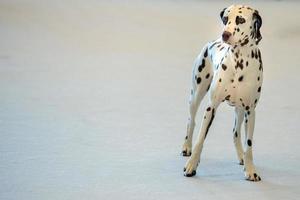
(250,171)
(239,117)
(192,163)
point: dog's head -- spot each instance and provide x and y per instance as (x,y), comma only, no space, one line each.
(241,25)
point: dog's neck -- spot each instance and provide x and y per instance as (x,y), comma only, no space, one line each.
(243,48)
(240,51)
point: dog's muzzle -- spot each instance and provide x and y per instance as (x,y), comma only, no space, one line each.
(226,35)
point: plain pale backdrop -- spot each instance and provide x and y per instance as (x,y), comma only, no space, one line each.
(93,102)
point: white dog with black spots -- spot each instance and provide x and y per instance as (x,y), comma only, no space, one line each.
(229,69)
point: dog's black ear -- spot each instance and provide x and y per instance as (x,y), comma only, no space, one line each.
(257,24)
(222,13)
(222,16)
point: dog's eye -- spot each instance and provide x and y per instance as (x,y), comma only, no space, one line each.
(225,20)
(239,20)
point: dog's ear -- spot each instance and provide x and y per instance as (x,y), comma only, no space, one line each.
(222,13)
(222,16)
(257,24)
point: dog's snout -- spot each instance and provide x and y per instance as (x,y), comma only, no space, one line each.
(226,35)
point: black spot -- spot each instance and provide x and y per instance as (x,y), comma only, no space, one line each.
(249,143)
(205,53)
(247,63)
(227,97)
(245,42)
(213,45)
(252,54)
(239,64)
(260,61)
(239,20)
(220,80)
(207,76)
(247,108)
(236,134)
(248,112)
(221,48)
(219,45)
(260,65)
(241,78)
(202,65)
(208,87)
(246,121)
(236,55)
(255,101)
(222,59)
(258,78)
(224,67)
(198,80)
(259,89)
(238,29)
(232,80)
(210,122)
(186,137)
(208,109)
(255,175)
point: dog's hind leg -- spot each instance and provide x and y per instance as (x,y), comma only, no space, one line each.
(239,117)
(201,80)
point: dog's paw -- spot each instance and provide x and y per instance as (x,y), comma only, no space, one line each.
(252,176)
(241,161)
(186,149)
(190,167)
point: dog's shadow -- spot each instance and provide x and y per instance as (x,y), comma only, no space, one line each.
(229,172)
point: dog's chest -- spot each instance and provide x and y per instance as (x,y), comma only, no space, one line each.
(237,76)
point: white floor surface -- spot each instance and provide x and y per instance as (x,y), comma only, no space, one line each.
(93,102)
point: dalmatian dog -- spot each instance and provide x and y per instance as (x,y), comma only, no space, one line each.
(229,69)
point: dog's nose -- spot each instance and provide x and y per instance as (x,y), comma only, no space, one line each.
(226,35)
